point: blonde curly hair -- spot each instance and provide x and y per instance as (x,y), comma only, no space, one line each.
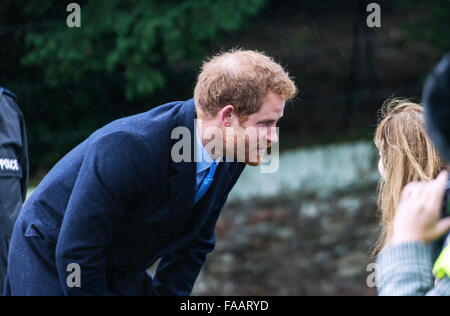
(407,154)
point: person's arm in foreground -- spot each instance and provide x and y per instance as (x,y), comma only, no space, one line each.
(405,267)
(178,271)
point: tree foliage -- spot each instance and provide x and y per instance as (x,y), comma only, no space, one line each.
(432,23)
(139,38)
(131,55)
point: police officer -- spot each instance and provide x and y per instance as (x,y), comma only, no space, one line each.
(13,171)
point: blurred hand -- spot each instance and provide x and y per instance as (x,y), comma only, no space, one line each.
(418,215)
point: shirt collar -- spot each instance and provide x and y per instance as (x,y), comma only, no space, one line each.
(203,158)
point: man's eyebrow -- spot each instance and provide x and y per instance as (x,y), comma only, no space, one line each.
(267,120)
(270,119)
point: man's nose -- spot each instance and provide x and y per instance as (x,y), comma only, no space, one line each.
(272,135)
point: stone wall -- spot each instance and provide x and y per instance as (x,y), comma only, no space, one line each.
(306,230)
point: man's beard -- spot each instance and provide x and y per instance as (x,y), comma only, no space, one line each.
(251,154)
(245,152)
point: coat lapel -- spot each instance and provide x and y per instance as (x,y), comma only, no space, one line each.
(182,183)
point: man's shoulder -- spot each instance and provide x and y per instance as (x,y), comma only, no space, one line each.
(154,123)
(4,91)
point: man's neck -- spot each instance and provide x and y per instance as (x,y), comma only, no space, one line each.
(203,124)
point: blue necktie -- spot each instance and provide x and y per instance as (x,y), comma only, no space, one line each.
(206,183)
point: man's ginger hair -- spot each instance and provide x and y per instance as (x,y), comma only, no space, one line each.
(241,78)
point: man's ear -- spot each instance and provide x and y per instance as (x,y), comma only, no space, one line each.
(226,115)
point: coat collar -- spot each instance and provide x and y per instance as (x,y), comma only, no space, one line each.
(182,183)
(186,119)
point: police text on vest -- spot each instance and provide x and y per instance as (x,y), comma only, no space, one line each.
(9,165)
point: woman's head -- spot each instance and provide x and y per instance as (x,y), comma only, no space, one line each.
(406,154)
